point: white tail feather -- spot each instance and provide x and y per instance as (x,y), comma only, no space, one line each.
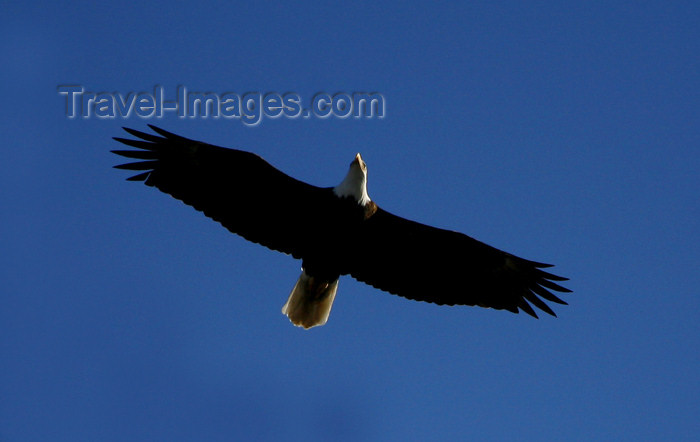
(310,302)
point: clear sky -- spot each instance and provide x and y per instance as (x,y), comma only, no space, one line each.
(561,133)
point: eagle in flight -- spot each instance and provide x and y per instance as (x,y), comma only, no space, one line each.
(336,231)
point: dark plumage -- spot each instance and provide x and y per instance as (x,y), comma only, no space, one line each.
(336,231)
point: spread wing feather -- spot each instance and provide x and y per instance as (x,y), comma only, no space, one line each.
(238,189)
(425,263)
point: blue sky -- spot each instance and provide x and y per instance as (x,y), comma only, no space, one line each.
(562,133)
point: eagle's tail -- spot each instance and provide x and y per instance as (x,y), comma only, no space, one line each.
(310,302)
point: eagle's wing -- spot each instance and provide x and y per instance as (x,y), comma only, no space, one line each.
(425,263)
(238,189)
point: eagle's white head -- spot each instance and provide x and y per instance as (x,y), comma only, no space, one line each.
(354,184)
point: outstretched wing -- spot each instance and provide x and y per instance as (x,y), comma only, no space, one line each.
(238,189)
(425,263)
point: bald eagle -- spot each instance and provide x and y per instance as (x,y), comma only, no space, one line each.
(336,231)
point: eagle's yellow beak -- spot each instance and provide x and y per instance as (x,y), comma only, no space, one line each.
(358,160)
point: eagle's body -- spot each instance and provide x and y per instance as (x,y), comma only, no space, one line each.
(336,231)
(325,259)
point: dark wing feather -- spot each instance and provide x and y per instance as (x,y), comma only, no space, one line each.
(425,263)
(238,189)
